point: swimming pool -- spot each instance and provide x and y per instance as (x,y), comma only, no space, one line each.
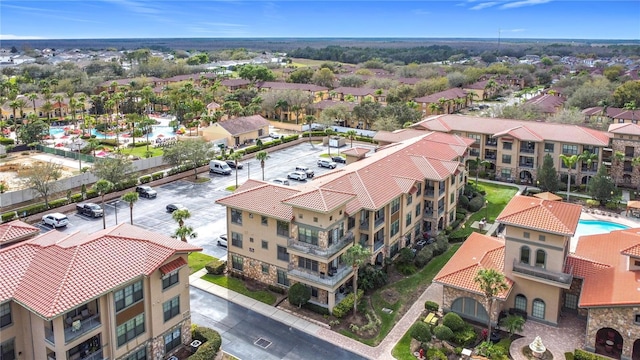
(166,131)
(592,227)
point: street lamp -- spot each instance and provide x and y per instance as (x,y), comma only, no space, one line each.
(115,206)
(486,210)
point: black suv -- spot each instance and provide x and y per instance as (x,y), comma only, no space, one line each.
(146,192)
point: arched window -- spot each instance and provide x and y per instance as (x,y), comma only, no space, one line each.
(541,258)
(537,310)
(525,252)
(470,309)
(521,302)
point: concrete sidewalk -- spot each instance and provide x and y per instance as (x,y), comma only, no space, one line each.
(382,351)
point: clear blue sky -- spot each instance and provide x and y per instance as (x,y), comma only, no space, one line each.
(548,19)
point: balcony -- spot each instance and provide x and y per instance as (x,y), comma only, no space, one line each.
(490,156)
(539,273)
(429,192)
(491,143)
(49,336)
(428,213)
(308,249)
(378,244)
(379,221)
(97,355)
(365,224)
(441,191)
(81,327)
(586,169)
(440,210)
(331,280)
(527,150)
(526,165)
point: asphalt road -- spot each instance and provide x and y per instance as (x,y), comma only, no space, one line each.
(249,335)
(207,218)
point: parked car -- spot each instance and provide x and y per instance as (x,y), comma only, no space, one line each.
(222,240)
(297,175)
(173,207)
(146,191)
(281,181)
(275,136)
(232,164)
(339,159)
(55,220)
(305,169)
(90,209)
(219,167)
(327,163)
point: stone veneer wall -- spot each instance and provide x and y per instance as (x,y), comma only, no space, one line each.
(576,288)
(157,344)
(451,294)
(618,318)
(617,169)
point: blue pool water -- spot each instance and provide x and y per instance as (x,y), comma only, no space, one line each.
(166,131)
(592,227)
(56,131)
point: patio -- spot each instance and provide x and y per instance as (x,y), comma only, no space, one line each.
(566,337)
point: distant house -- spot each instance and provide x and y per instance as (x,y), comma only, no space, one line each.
(547,103)
(444,102)
(358,95)
(237,131)
(318,92)
(212,107)
(610,115)
(235,84)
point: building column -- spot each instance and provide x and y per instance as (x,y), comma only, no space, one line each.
(331,300)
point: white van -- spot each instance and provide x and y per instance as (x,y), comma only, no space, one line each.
(219,167)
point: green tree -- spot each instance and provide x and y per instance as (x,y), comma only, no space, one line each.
(103,187)
(192,153)
(601,186)
(42,177)
(588,158)
(476,164)
(32,131)
(351,135)
(180,216)
(324,77)
(356,256)
(329,131)
(569,162)
(262,156)
(185,232)
(301,76)
(116,170)
(627,92)
(235,156)
(631,105)
(492,283)
(130,198)
(255,73)
(547,175)
(299,294)
(513,323)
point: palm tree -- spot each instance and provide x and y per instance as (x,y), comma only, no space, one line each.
(478,162)
(33,97)
(235,156)
(329,132)
(180,216)
(262,156)
(491,283)
(280,106)
(569,161)
(512,323)
(102,187)
(434,108)
(58,100)
(309,119)
(131,198)
(183,232)
(14,105)
(82,99)
(588,158)
(351,135)
(356,256)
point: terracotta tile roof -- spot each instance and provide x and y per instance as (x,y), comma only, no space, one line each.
(633,251)
(172,266)
(549,216)
(520,133)
(453,93)
(325,104)
(397,136)
(547,103)
(356,151)
(16,230)
(322,200)
(602,261)
(490,126)
(250,184)
(625,129)
(355,91)
(477,252)
(275,85)
(266,200)
(55,272)
(234,82)
(612,112)
(480,85)
(243,124)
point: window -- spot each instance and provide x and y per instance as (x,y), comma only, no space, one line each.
(506,145)
(637,321)
(308,264)
(315,219)
(282,228)
(541,258)
(265,244)
(309,236)
(548,147)
(409,199)
(282,278)
(282,253)
(236,216)
(452,198)
(506,159)
(236,239)
(379,216)
(130,330)
(265,268)
(171,308)
(138,355)
(526,235)
(418,210)
(395,205)
(237,262)
(408,219)
(395,227)
(419,187)
(571,301)
(475,137)
(542,238)
(170,279)
(8,350)
(505,173)
(172,340)
(520,302)
(5,315)
(569,149)
(538,309)
(314,292)
(351,222)
(264,220)
(129,295)
(525,253)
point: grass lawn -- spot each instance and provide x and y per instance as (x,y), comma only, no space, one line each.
(498,197)
(239,287)
(402,350)
(404,287)
(231,188)
(198,260)
(140,151)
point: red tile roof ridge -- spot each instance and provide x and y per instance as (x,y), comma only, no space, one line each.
(325,207)
(520,204)
(15,229)
(633,251)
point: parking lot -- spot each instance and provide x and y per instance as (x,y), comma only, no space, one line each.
(207,218)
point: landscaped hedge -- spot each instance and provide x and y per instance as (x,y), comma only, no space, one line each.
(585,355)
(346,304)
(139,144)
(110,142)
(216,267)
(421,331)
(58,202)
(277,289)
(145,179)
(211,342)
(6,141)
(316,308)
(125,185)
(476,203)
(157,175)
(465,337)
(431,306)
(442,333)
(8,216)
(453,321)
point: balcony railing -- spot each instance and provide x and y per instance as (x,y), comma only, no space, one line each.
(86,325)
(440,210)
(429,192)
(331,279)
(96,355)
(491,143)
(379,221)
(490,156)
(364,224)
(440,191)
(428,213)
(526,165)
(527,150)
(49,336)
(587,169)
(542,273)
(377,245)
(295,245)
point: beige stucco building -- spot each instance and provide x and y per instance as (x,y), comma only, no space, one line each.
(237,131)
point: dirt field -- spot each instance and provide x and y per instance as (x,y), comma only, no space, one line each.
(13,167)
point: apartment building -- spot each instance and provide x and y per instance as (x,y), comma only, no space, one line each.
(625,147)
(120,293)
(280,235)
(515,149)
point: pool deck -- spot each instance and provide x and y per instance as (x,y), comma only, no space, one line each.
(621,218)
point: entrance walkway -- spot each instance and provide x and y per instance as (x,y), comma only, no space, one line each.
(566,337)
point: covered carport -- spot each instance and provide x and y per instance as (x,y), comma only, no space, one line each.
(633,208)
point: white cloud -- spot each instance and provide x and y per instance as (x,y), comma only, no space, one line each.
(484,5)
(421,12)
(19,37)
(512,30)
(521,3)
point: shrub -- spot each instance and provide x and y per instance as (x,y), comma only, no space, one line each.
(424,256)
(436,354)
(421,332)
(491,350)
(406,269)
(91,193)
(405,256)
(8,216)
(459,235)
(76,197)
(584,355)
(157,175)
(443,333)
(453,321)
(211,342)
(463,202)
(462,211)
(317,309)
(216,267)
(299,294)
(32,209)
(466,336)
(125,184)
(460,216)
(346,304)
(593,203)
(476,203)
(431,306)
(58,202)
(277,289)
(111,142)
(6,141)
(145,179)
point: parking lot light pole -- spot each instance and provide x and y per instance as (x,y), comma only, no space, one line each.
(115,206)
(486,210)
